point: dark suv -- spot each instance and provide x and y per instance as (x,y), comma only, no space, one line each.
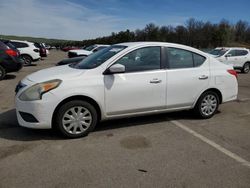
(10,60)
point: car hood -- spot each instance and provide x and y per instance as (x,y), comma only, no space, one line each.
(60,72)
(81,52)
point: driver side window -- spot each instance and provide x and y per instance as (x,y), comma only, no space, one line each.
(143,59)
(232,53)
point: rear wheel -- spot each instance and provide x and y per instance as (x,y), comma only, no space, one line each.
(207,105)
(27,59)
(76,119)
(2,72)
(245,68)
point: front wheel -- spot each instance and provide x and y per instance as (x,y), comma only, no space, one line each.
(76,119)
(245,68)
(207,105)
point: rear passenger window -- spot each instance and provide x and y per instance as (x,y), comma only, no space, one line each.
(3,46)
(241,52)
(179,58)
(198,60)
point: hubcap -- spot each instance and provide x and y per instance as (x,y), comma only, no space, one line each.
(77,120)
(26,60)
(246,68)
(208,105)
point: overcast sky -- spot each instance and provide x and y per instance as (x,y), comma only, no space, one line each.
(82,19)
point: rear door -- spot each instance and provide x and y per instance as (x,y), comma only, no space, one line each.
(242,56)
(187,76)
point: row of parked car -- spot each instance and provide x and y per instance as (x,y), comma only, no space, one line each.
(238,57)
(78,54)
(14,54)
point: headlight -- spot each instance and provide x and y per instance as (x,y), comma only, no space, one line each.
(36,91)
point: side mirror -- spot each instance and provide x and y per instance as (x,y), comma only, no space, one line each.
(228,55)
(115,69)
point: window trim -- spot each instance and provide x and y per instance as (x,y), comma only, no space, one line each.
(161,62)
(168,64)
(240,50)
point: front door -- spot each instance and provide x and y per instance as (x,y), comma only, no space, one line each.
(141,88)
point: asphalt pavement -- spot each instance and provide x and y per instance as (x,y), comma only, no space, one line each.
(167,150)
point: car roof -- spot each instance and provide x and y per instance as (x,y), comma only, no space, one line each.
(131,44)
(231,48)
(24,41)
(98,45)
(167,44)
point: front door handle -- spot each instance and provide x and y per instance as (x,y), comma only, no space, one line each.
(155,81)
(203,77)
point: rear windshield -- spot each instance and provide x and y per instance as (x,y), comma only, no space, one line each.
(98,58)
(3,46)
(89,48)
(11,46)
(37,45)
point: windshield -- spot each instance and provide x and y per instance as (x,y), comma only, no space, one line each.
(98,58)
(89,48)
(218,52)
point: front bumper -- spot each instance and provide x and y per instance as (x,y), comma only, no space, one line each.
(41,110)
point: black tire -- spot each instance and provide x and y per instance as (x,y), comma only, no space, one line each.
(246,68)
(2,73)
(64,110)
(199,111)
(27,59)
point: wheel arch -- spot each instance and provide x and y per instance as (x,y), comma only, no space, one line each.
(77,97)
(27,55)
(217,91)
(246,63)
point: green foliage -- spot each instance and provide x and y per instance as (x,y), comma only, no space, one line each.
(194,33)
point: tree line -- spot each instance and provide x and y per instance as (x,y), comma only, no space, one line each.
(194,33)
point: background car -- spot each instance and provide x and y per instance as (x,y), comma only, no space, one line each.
(42,49)
(124,80)
(28,51)
(10,60)
(71,60)
(86,51)
(239,58)
(67,48)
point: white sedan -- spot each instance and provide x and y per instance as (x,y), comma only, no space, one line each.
(124,80)
(86,51)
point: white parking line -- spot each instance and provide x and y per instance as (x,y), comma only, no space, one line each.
(213,144)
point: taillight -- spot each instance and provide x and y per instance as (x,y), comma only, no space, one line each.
(232,72)
(36,50)
(11,52)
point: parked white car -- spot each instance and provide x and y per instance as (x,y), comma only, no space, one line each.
(28,51)
(239,58)
(86,51)
(124,80)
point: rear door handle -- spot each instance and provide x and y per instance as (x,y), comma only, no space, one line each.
(155,81)
(203,77)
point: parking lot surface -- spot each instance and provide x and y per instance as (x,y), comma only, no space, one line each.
(167,150)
